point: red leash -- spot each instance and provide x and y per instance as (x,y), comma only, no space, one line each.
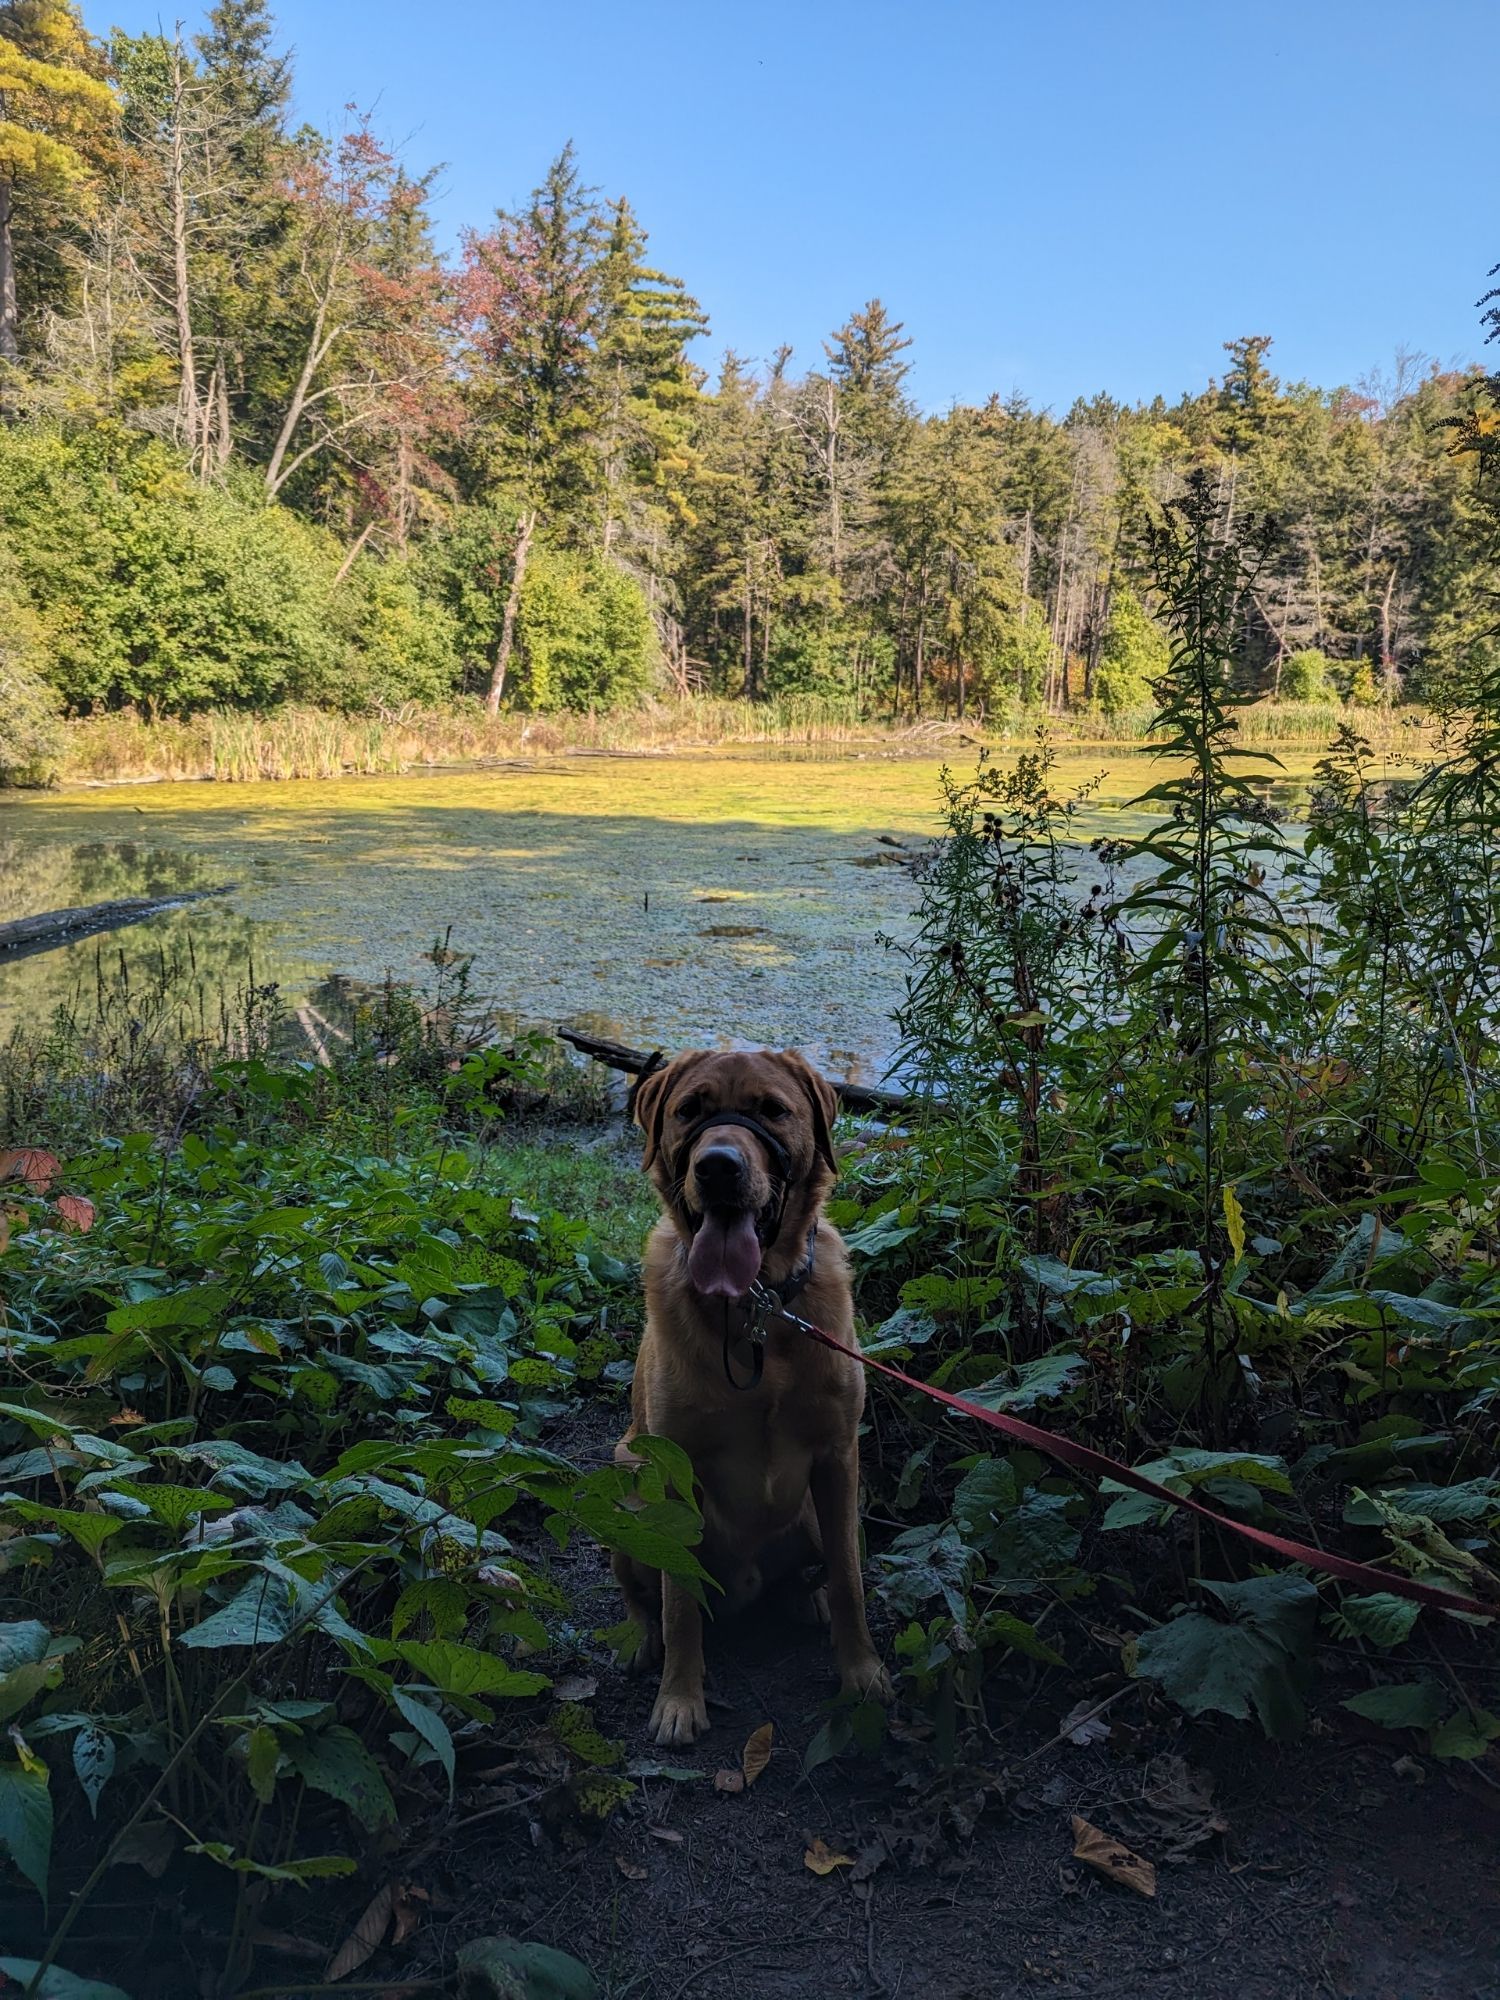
(1082,1459)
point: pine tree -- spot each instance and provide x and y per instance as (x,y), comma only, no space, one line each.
(55,116)
(531,296)
(252,80)
(647,390)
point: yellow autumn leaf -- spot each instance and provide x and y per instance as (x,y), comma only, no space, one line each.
(822,1860)
(1234,1222)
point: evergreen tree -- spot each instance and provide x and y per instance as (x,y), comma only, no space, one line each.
(55,116)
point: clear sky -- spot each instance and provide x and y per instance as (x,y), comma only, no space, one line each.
(1058,197)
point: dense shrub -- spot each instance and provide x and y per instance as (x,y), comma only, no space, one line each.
(147,586)
(586,638)
(1135,654)
(30,725)
(1307,676)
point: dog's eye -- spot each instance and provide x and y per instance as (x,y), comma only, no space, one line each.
(688,1108)
(771,1108)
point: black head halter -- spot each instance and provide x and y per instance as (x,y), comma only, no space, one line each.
(767,1225)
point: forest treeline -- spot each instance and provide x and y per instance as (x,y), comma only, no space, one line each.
(265,442)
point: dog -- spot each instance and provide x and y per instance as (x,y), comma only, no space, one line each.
(740,1149)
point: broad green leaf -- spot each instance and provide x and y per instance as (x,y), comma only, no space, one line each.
(1408,1705)
(55,1984)
(482,1413)
(35,1421)
(194,1305)
(1472,1500)
(507,1969)
(1468,1734)
(1255,1662)
(94,1761)
(173,1505)
(1041,1381)
(986,1495)
(90,1531)
(23,1643)
(24,1683)
(336,1762)
(429,1725)
(258,1615)
(26,1821)
(1382,1618)
(464,1670)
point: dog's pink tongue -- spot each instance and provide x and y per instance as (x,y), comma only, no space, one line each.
(724,1261)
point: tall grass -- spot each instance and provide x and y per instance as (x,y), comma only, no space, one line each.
(234,746)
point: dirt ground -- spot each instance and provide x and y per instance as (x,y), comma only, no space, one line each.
(1334,1866)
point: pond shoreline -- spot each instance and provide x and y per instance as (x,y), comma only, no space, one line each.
(219,746)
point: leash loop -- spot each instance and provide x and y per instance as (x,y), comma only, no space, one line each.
(755,1333)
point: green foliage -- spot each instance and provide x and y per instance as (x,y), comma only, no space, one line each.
(1256,1659)
(1211,1139)
(32,740)
(137,584)
(1307,675)
(585,633)
(1134,657)
(333,1358)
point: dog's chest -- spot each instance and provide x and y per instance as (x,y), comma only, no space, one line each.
(755,1481)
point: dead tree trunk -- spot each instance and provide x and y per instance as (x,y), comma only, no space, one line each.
(189,408)
(10,314)
(525,528)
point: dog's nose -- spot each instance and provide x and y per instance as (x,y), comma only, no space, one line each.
(720,1174)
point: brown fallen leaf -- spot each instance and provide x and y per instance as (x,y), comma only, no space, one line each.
(126,1416)
(77,1212)
(411,1900)
(366,1936)
(757,1752)
(1111,1857)
(629,1869)
(669,1833)
(32,1164)
(729,1781)
(822,1860)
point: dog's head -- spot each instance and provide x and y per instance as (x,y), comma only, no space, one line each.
(740,1149)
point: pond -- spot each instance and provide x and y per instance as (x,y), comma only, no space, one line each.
(668,900)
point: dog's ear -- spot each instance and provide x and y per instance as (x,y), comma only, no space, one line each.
(648,1103)
(823,1099)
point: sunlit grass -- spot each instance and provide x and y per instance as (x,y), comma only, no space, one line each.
(236,747)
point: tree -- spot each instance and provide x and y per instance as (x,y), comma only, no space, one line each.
(530,293)
(1136,653)
(648,389)
(55,117)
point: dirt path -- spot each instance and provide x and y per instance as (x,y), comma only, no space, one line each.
(1336,1873)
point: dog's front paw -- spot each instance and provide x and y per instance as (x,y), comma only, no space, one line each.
(678,1718)
(868,1681)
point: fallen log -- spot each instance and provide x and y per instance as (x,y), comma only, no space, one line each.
(889,1104)
(58,927)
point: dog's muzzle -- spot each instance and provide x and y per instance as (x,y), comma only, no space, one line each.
(728,1237)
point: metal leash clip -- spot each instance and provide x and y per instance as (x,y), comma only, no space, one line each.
(761,1304)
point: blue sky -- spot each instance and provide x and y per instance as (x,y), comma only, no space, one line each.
(1056,197)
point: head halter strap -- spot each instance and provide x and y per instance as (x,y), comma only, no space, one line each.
(768,1223)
